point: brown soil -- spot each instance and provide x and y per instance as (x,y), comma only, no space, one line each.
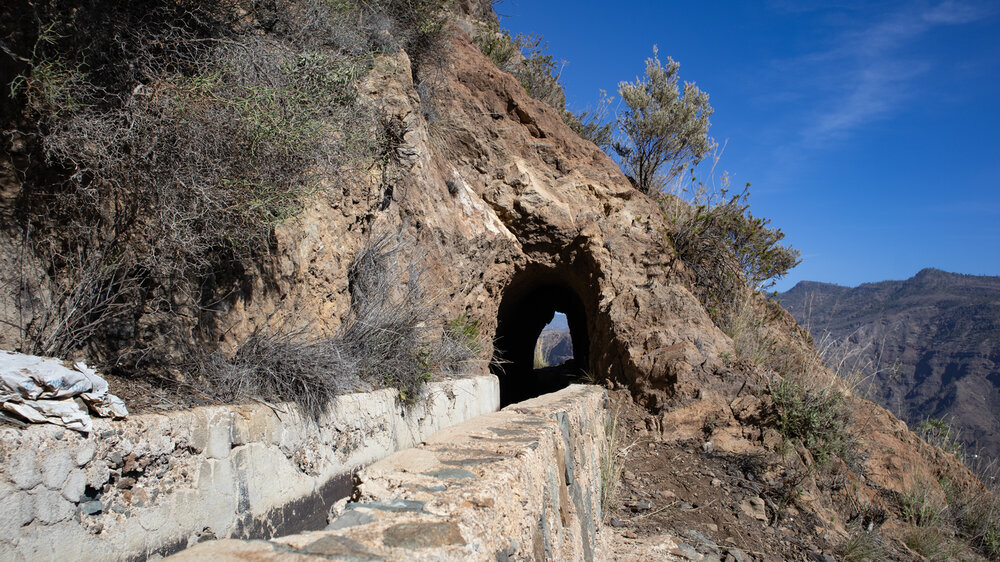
(684,500)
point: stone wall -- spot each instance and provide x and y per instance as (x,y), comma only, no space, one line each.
(156,484)
(523,483)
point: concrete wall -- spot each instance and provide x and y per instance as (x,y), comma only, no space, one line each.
(155,484)
(520,484)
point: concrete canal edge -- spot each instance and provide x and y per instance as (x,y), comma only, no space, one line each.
(157,484)
(522,483)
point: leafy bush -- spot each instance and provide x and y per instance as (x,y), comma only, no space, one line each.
(818,418)
(661,127)
(731,253)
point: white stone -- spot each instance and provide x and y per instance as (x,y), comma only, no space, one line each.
(55,468)
(85,453)
(51,507)
(220,430)
(16,510)
(97,474)
(23,470)
(75,485)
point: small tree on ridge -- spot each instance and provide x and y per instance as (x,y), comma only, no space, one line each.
(661,127)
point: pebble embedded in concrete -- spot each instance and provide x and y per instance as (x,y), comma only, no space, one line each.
(423,535)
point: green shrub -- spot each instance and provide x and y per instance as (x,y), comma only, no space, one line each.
(939,433)
(465,331)
(662,129)
(731,253)
(818,418)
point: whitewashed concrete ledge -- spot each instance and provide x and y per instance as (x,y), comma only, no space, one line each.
(158,483)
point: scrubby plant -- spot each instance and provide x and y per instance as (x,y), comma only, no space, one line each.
(862,545)
(731,253)
(662,129)
(461,343)
(172,137)
(815,417)
(526,58)
(465,331)
(918,506)
(977,513)
(939,433)
(612,465)
(593,125)
(932,543)
(386,340)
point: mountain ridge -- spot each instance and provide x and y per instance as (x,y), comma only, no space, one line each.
(940,331)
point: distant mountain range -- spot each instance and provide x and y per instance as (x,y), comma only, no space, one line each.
(554,347)
(936,340)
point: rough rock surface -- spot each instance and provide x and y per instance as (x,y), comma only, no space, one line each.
(495,193)
(523,483)
(156,483)
(512,215)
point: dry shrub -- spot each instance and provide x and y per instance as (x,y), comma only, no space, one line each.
(864,544)
(171,137)
(461,344)
(977,511)
(613,454)
(387,340)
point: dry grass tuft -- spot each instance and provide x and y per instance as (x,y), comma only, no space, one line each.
(386,341)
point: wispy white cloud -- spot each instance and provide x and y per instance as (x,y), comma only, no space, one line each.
(867,74)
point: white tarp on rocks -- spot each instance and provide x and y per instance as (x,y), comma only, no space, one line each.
(46,390)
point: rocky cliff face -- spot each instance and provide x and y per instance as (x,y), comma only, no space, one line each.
(503,202)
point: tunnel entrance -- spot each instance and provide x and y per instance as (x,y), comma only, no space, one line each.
(526,308)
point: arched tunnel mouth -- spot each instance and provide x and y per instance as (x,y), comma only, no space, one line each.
(528,305)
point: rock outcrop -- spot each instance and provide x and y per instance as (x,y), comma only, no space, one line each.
(502,202)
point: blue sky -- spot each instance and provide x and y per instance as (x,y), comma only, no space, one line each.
(869,131)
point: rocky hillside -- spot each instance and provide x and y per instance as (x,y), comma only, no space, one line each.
(935,336)
(428,200)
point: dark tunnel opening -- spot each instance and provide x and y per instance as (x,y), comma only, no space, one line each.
(525,310)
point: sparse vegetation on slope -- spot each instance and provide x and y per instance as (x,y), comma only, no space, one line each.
(386,341)
(160,145)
